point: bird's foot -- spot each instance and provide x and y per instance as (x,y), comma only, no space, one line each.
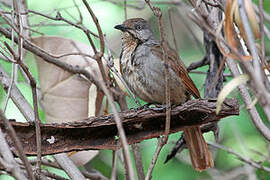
(145,106)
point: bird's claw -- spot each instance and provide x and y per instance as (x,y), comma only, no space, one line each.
(145,106)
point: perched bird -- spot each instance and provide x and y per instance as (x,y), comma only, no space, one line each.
(142,68)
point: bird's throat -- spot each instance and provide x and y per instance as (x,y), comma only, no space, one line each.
(129,43)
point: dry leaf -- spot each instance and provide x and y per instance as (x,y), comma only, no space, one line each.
(251,18)
(232,17)
(230,33)
(229,87)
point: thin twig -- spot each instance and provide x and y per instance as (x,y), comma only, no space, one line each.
(52,175)
(216,4)
(124,107)
(60,18)
(138,161)
(14,66)
(121,132)
(205,73)
(262,30)
(99,55)
(266,31)
(7,52)
(189,29)
(167,79)
(95,175)
(125,9)
(78,9)
(114,166)
(239,156)
(250,171)
(265,14)
(101,40)
(198,64)
(154,160)
(68,166)
(172,28)
(18,146)
(16,96)
(251,41)
(157,12)
(221,66)
(7,155)
(34,93)
(48,58)
(73,54)
(33,84)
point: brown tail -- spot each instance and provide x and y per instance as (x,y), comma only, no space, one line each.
(201,158)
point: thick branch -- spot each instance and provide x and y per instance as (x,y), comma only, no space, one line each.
(101,132)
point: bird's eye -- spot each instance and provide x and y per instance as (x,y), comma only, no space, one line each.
(138,27)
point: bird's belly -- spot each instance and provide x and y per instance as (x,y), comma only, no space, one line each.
(148,83)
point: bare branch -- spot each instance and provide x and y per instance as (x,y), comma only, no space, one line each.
(68,166)
(16,96)
(101,132)
(239,156)
(262,30)
(108,93)
(154,160)
(34,93)
(138,161)
(251,41)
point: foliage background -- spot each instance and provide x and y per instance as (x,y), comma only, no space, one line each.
(237,132)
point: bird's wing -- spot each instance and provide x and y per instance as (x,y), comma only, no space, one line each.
(180,69)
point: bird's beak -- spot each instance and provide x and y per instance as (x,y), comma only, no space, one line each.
(122,27)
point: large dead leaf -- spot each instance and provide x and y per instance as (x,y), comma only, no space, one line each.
(68,97)
(65,96)
(251,15)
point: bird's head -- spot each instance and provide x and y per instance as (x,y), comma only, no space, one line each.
(137,28)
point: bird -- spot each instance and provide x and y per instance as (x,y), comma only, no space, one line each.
(142,66)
